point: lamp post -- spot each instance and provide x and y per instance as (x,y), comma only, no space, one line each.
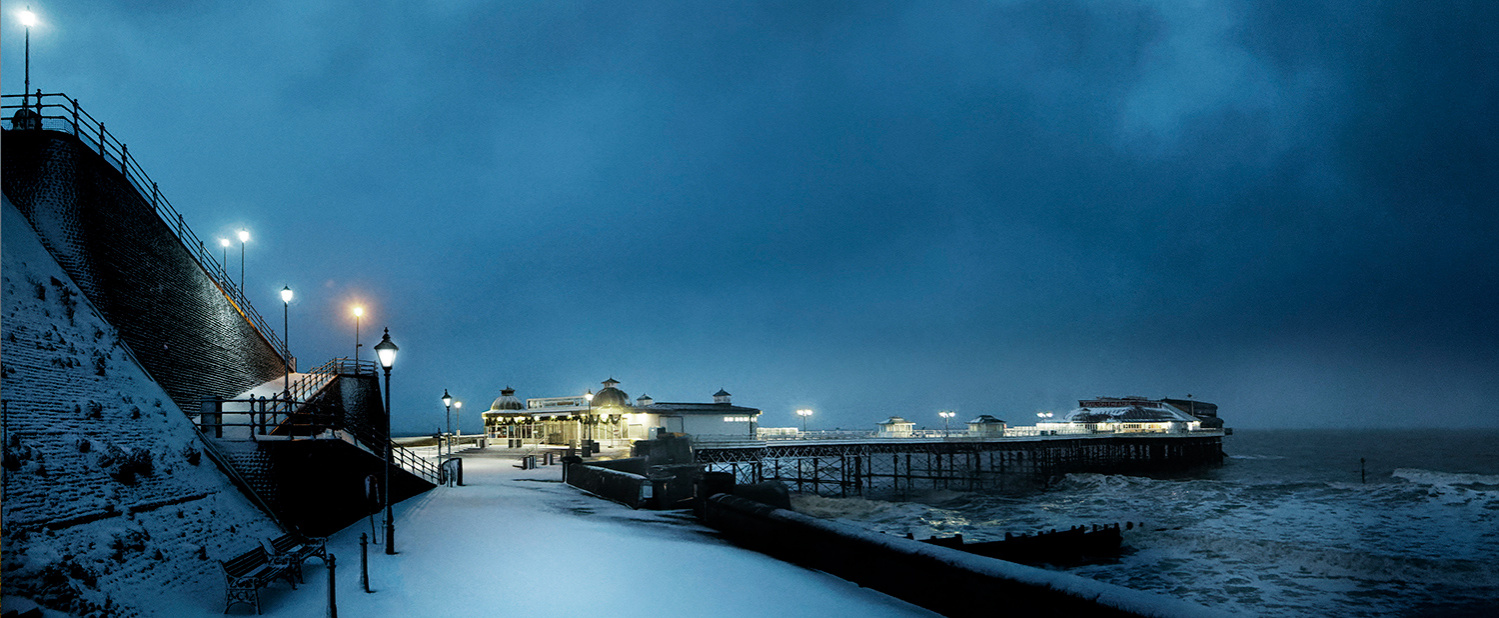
(458,416)
(386,350)
(224,243)
(447,402)
(244,237)
(804,413)
(584,423)
(358,313)
(28,19)
(946,414)
(286,343)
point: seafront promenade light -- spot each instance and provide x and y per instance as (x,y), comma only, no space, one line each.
(946,415)
(224,243)
(244,237)
(386,351)
(447,402)
(28,19)
(286,340)
(457,417)
(804,413)
(358,313)
(588,394)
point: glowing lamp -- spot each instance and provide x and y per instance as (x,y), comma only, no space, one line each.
(386,350)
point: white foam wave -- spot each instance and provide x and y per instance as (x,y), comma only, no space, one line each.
(1256,457)
(1434,477)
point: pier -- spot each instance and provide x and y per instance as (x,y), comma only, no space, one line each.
(897,466)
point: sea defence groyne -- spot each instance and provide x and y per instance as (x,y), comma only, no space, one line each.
(893,467)
(948,581)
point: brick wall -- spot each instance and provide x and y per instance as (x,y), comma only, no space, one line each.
(106,236)
(105,487)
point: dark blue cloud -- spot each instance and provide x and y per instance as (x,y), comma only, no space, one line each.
(866,208)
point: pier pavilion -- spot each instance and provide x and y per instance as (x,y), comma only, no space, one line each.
(611,418)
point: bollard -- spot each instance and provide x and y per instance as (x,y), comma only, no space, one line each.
(364,562)
(332,587)
(458,472)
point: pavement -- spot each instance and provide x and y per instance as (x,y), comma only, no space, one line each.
(520,542)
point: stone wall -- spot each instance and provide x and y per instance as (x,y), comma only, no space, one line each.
(175,318)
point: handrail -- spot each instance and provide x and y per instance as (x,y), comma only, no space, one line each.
(268,417)
(33,111)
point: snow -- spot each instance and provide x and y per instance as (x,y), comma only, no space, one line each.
(78,405)
(522,543)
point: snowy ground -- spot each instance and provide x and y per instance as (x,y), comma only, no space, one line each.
(522,543)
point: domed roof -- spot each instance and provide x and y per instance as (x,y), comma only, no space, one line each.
(507,401)
(610,396)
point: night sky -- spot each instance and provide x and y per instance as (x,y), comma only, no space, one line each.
(1288,208)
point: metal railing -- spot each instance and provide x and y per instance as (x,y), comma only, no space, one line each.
(59,112)
(248,419)
(403,457)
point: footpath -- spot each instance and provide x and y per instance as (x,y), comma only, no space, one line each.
(514,542)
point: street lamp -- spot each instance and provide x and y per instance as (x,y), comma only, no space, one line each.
(804,413)
(386,350)
(358,313)
(946,414)
(458,416)
(583,423)
(244,237)
(286,343)
(28,19)
(447,402)
(224,242)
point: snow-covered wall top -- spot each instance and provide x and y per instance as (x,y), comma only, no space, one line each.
(109,505)
(180,325)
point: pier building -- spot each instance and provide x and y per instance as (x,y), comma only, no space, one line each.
(610,417)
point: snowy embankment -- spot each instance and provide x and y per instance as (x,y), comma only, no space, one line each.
(109,507)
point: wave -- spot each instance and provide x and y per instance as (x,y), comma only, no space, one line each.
(1257,457)
(1434,477)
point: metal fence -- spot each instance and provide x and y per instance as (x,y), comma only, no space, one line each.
(59,112)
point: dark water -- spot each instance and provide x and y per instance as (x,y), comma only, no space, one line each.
(1285,528)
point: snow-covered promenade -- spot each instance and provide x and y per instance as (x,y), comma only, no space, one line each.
(521,543)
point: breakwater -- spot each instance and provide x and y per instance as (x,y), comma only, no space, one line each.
(944,580)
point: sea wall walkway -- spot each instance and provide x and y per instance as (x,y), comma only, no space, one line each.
(519,542)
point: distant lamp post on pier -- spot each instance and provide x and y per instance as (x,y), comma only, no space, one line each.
(358,313)
(244,237)
(386,351)
(804,413)
(946,415)
(447,402)
(224,243)
(286,340)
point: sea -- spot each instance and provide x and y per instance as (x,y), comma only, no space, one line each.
(1294,523)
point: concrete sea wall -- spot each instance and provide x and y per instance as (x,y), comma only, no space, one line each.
(948,581)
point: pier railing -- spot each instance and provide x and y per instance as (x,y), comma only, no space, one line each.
(59,112)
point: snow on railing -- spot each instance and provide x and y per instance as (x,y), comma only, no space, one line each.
(59,112)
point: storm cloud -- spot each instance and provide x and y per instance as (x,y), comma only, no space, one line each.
(1285,208)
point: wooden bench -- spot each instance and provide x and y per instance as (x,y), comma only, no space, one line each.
(247,573)
(292,549)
